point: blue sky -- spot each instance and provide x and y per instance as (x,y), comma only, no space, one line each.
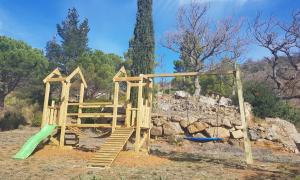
(112,21)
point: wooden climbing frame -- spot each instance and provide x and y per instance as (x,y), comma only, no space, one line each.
(138,118)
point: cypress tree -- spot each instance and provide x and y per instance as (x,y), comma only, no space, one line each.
(142,46)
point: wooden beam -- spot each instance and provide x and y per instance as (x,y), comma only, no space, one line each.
(185,74)
(117,79)
(95,115)
(121,71)
(91,125)
(137,84)
(63,112)
(81,94)
(115,108)
(75,72)
(247,143)
(128,105)
(56,79)
(46,102)
(53,73)
(89,103)
(139,116)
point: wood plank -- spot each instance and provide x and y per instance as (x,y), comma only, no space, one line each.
(186,74)
(247,143)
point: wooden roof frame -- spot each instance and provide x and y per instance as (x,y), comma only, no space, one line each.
(52,74)
(77,71)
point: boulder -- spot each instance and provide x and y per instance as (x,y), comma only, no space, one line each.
(217,132)
(200,126)
(226,122)
(238,127)
(207,100)
(225,101)
(253,135)
(237,134)
(192,129)
(172,129)
(181,94)
(156,131)
(184,123)
(176,118)
(159,121)
(199,135)
(249,115)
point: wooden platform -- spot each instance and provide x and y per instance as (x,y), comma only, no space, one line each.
(111,148)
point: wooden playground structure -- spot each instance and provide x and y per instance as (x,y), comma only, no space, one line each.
(133,121)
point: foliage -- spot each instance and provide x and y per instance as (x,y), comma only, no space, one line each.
(142,45)
(19,65)
(266,104)
(37,120)
(216,84)
(99,69)
(74,42)
(11,120)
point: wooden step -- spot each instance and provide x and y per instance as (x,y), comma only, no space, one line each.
(111,148)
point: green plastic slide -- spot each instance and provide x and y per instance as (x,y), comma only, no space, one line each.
(34,141)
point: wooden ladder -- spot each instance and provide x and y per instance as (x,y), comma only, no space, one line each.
(111,148)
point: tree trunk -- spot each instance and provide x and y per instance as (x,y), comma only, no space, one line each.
(197,87)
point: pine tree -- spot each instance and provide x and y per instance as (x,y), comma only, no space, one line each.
(74,40)
(142,46)
(54,54)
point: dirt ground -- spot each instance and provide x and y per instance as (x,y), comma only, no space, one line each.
(188,161)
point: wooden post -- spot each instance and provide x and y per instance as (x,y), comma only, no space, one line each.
(247,143)
(139,115)
(128,105)
(115,108)
(51,118)
(81,94)
(46,101)
(63,112)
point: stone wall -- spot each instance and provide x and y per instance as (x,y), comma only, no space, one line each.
(182,115)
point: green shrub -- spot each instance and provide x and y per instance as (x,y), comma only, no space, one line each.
(266,104)
(12,120)
(37,119)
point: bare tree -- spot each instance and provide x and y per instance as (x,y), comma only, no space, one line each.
(197,41)
(282,41)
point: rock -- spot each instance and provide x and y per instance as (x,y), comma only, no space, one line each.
(226,122)
(233,142)
(181,95)
(200,126)
(271,134)
(253,135)
(159,121)
(178,129)
(176,118)
(184,123)
(238,127)
(207,100)
(237,134)
(217,132)
(199,135)
(196,127)
(225,101)
(156,131)
(249,115)
(192,129)
(172,129)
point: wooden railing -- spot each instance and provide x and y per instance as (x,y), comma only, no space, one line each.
(53,114)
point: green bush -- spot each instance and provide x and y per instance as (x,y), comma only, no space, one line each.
(37,119)
(266,104)
(11,120)
(216,84)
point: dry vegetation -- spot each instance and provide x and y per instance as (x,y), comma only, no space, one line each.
(189,161)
